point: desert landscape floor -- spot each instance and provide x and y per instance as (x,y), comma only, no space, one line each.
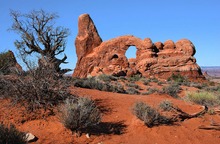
(119,125)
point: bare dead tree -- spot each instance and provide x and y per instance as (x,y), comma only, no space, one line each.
(39,35)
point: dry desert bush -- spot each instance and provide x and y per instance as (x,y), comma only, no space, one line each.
(95,83)
(172,90)
(37,88)
(149,115)
(10,135)
(80,114)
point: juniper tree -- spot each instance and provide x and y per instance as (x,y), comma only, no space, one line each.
(40,35)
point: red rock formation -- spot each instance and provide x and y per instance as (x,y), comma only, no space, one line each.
(8,62)
(152,59)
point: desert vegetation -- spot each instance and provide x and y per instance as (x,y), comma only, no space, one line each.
(203,98)
(43,86)
(10,135)
(149,115)
(80,114)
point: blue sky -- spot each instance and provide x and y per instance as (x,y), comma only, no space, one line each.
(160,20)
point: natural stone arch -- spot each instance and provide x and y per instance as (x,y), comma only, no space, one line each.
(131,52)
(152,59)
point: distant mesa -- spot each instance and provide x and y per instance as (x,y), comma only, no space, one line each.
(158,59)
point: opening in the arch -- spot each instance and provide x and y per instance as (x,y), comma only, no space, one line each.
(131,52)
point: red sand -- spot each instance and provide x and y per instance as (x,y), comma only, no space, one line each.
(122,127)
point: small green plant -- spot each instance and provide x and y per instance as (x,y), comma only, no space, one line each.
(213,88)
(106,78)
(133,85)
(203,98)
(160,83)
(155,80)
(149,115)
(196,85)
(134,78)
(132,90)
(178,78)
(166,105)
(146,81)
(79,115)
(93,83)
(172,90)
(151,91)
(10,135)
(211,112)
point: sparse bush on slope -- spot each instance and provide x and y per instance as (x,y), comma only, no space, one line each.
(166,105)
(150,91)
(178,79)
(41,88)
(10,135)
(107,78)
(203,98)
(80,114)
(172,90)
(132,90)
(135,78)
(93,83)
(149,115)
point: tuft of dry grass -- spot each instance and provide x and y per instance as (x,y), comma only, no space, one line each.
(203,98)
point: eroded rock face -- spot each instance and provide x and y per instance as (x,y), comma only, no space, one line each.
(152,59)
(8,63)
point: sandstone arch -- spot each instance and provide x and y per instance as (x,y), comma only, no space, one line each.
(152,59)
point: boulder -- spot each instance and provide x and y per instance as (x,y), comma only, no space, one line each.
(30,137)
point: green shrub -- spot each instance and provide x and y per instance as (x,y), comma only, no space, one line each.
(10,135)
(150,116)
(211,112)
(151,91)
(135,78)
(178,78)
(117,87)
(79,115)
(155,80)
(93,83)
(90,83)
(213,88)
(196,85)
(132,90)
(146,81)
(133,85)
(172,90)
(106,78)
(166,105)
(203,98)
(160,83)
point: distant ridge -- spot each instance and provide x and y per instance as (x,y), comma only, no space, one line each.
(213,71)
